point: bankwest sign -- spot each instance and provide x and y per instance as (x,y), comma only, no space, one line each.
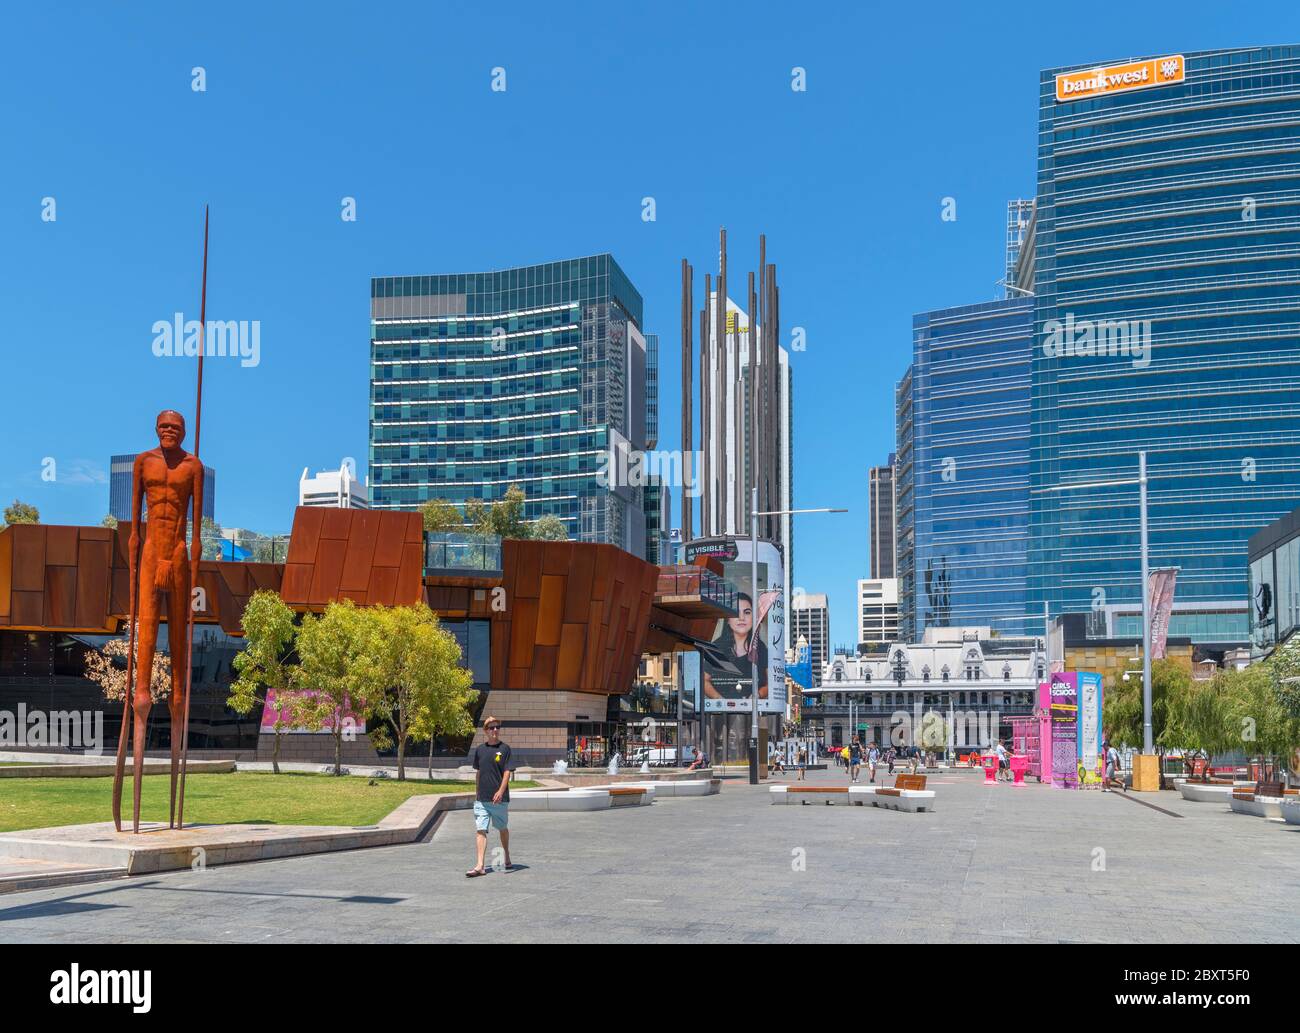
(1093,82)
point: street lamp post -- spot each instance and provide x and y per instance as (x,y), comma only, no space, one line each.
(754,514)
(1148,742)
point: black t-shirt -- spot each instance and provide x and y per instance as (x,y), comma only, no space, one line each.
(491,763)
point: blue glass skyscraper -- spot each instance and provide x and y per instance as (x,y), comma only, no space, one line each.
(526,376)
(962,485)
(1167,318)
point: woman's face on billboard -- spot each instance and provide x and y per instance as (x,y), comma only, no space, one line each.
(744,619)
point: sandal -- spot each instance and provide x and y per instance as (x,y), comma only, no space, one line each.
(474,873)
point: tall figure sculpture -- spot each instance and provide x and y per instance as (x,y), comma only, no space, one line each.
(170,481)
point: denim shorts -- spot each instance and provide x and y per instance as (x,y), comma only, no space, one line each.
(494,814)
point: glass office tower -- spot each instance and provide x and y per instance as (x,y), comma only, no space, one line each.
(962,470)
(527,376)
(1167,318)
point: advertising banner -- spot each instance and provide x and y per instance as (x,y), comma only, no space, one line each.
(1064,716)
(1090,758)
(756,634)
(1160,588)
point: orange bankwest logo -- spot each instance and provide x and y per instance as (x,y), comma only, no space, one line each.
(1092,82)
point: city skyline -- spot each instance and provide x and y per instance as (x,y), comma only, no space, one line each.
(122,251)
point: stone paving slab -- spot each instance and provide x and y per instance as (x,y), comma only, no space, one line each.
(996,863)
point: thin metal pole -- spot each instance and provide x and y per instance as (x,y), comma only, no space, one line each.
(753,631)
(198,528)
(1148,745)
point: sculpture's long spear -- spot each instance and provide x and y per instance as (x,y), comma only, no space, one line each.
(119,773)
(198,524)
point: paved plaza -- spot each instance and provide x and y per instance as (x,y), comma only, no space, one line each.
(992,863)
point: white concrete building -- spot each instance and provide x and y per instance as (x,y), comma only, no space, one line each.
(336,489)
(973,680)
(877,610)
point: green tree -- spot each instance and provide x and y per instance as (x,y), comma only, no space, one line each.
(441,515)
(1261,723)
(212,540)
(263,664)
(1122,709)
(340,673)
(550,528)
(503,518)
(109,521)
(1199,720)
(21,513)
(427,691)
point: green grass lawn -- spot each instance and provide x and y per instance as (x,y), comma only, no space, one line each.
(246,797)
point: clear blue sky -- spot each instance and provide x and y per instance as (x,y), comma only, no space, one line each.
(606,103)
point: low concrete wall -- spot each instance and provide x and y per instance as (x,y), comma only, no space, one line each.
(102,769)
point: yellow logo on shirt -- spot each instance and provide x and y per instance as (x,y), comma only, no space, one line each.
(498,758)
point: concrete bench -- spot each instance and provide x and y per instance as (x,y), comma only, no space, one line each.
(1198,792)
(560,800)
(686,787)
(908,793)
(1262,800)
(810,794)
(1290,808)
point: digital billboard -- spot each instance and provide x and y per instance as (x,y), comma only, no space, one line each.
(757,633)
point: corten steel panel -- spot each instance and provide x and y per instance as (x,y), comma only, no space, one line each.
(27,610)
(6,574)
(414,527)
(528,575)
(568,663)
(517,678)
(596,632)
(60,597)
(305,534)
(543,671)
(95,534)
(577,593)
(382,589)
(211,585)
(93,581)
(410,588)
(361,552)
(229,606)
(603,573)
(336,524)
(614,648)
(550,608)
(556,557)
(119,602)
(29,557)
(523,630)
(329,568)
(265,576)
(357,597)
(61,546)
(295,587)
(121,538)
(389,539)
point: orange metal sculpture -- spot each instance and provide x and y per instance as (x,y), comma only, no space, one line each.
(170,481)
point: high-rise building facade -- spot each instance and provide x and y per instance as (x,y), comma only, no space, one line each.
(877,612)
(120,468)
(333,489)
(1167,318)
(810,616)
(963,470)
(745,407)
(534,376)
(880,519)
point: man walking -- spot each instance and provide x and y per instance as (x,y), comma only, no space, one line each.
(494,765)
